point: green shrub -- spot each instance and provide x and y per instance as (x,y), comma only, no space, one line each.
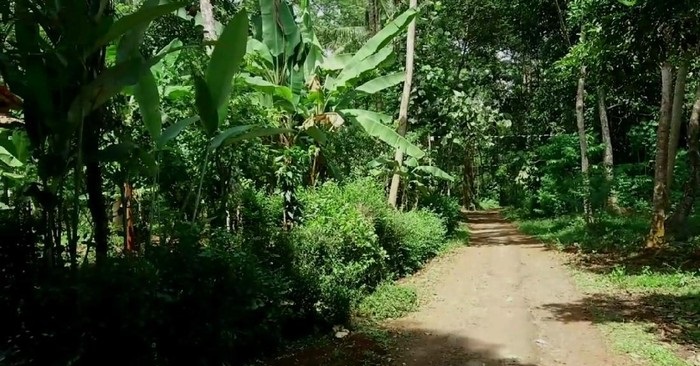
(182,304)
(350,240)
(223,297)
(447,208)
(388,301)
(420,235)
(337,246)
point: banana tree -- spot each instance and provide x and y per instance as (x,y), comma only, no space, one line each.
(289,68)
(56,65)
(312,93)
(212,92)
(416,175)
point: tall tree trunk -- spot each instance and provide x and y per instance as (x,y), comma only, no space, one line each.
(374,21)
(98,209)
(93,125)
(680,216)
(657,235)
(208,21)
(373,17)
(405,99)
(581,126)
(676,120)
(129,232)
(608,161)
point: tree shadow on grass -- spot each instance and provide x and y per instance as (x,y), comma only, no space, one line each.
(665,262)
(409,347)
(674,318)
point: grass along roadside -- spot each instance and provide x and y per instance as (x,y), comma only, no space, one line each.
(651,316)
(648,307)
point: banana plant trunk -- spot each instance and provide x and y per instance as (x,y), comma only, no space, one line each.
(657,234)
(405,99)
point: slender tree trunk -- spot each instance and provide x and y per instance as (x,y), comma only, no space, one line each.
(129,232)
(208,21)
(405,99)
(468,191)
(581,126)
(373,17)
(657,235)
(676,120)
(98,210)
(680,216)
(608,161)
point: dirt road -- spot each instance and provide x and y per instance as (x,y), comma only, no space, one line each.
(487,305)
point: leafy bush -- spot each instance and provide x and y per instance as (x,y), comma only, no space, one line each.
(184,304)
(447,208)
(227,296)
(337,245)
(351,240)
(388,301)
(421,235)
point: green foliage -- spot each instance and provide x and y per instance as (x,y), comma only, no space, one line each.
(447,208)
(388,301)
(270,220)
(607,234)
(180,304)
(421,235)
(337,245)
(351,240)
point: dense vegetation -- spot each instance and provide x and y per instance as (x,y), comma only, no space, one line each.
(199,183)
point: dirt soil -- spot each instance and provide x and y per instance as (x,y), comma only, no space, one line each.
(487,305)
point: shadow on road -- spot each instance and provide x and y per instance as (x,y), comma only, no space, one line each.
(409,347)
(490,228)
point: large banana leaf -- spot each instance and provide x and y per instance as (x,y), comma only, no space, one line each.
(146,94)
(174,130)
(279,30)
(136,20)
(354,71)
(270,88)
(8,159)
(317,134)
(108,84)
(374,53)
(208,114)
(385,36)
(256,47)
(131,41)
(376,85)
(169,55)
(336,61)
(375,125)
(435,172)
(146,90)
(314,56)
(217,141)
(239,133)
(226,60)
